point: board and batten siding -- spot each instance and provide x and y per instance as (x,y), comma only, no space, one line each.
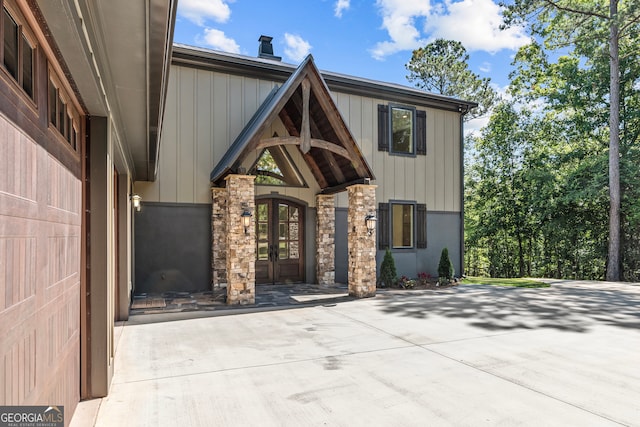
(205,111)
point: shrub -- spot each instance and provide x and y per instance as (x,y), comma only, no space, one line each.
(388,270)
(445,267)
(424,278)
(405,283)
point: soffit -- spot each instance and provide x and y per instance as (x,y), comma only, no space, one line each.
(117,52)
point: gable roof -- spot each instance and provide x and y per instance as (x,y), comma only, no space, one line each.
(314,124)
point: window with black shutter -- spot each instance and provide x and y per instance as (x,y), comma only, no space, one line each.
(421,132)
(421,225)
(383,226)
(402,130)
(383,128)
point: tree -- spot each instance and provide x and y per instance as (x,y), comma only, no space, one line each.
(566,24)
(442,67)
(445,266)
(388,270)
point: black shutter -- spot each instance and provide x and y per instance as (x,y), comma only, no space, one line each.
(421,132)
(383,226)
(421,222)
(383,127)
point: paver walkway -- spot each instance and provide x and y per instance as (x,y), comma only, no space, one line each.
(568,355)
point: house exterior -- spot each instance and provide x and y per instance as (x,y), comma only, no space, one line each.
(304,139)
(81,103)
(250,170)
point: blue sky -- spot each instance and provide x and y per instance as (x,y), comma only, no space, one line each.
(365,38)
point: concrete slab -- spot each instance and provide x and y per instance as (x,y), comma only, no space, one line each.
(473,355)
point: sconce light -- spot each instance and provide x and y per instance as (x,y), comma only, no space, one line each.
(370,220)
(137,202)
(245,216)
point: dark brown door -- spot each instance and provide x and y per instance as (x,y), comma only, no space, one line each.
(280,242)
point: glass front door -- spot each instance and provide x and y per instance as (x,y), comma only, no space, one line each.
(280,242)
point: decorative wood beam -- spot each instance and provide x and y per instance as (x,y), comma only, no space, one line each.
(341,187)
(315,170)
(296,140)
(305,131)
(338,125)
(331,161)
(287,121)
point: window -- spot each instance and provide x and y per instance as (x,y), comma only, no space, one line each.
(402,225)
(402,130)
(402,134)
(17,53)
(62,114)
(275,167)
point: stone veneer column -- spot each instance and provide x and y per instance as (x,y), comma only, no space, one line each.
(241,246)
(325,239)
(362,245)
(219,237)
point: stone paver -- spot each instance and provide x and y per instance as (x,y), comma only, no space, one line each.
(467,356)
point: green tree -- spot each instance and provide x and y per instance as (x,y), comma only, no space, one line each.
(593,33)
(445,266)
(442,67)
(388,272)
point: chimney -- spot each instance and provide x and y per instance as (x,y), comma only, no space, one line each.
(265,50)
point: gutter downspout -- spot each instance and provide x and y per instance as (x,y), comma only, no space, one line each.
(463,111)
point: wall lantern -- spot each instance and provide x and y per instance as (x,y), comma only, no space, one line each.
(370,220)
(137,202)
(246,219)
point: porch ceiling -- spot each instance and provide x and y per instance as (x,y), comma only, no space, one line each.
(332,154)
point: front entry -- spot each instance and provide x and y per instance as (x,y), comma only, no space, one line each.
(280,241)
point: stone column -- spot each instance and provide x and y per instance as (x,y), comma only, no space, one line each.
(219,237)
(325,239)
(362,245)
(241,246)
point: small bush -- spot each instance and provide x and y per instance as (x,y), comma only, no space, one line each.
(405,283)
(424,278)
(388,270)
(445,267)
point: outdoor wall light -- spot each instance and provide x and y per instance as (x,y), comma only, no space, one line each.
(137,202)
(246,219)
(370,220)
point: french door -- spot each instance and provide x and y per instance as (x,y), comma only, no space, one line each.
(280,241)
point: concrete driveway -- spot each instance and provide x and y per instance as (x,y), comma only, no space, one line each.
(568,355)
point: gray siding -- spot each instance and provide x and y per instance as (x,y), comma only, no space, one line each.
(443,230)
(173,248)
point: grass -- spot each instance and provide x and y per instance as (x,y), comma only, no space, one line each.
(514,283)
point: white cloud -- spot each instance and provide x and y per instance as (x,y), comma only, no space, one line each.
(199,11)
(476,24)
(340,6)
(217,40)
(485,67)
(398,18)
(297,48)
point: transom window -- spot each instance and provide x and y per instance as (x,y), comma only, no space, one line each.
(275,167)
(62,115)
(17,52)
(402,225)
(402,130)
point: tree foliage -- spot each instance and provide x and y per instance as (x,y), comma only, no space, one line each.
(442,67)
(388,272)
(595,35)
(538,187)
